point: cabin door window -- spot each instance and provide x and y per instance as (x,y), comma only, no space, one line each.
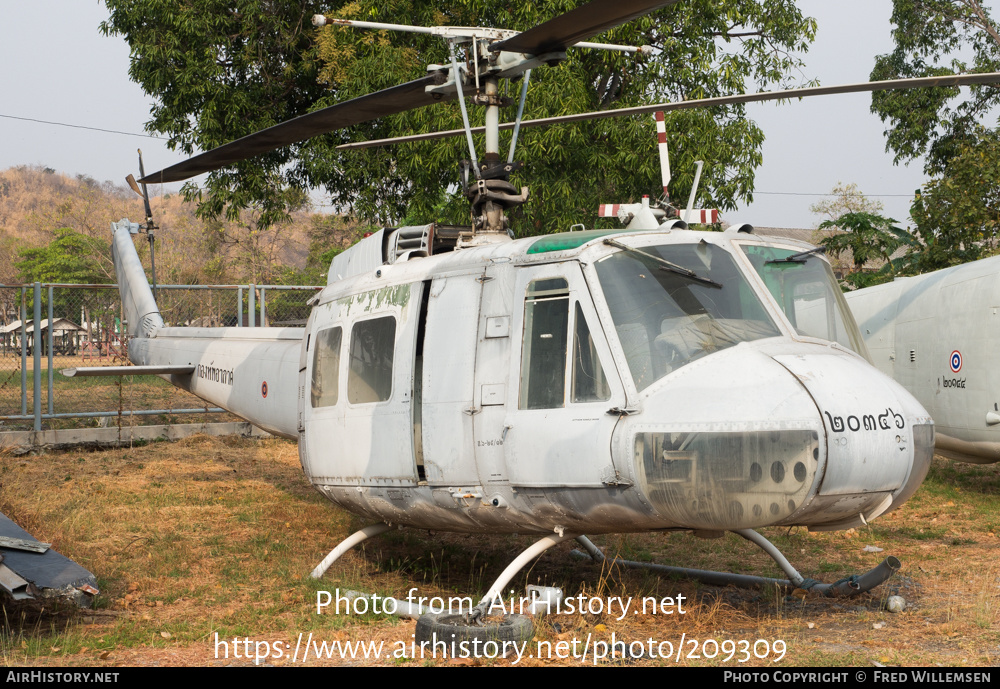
(543,359)
(369,378)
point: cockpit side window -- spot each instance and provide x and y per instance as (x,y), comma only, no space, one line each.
(548,306)
(325,384)
(589,383)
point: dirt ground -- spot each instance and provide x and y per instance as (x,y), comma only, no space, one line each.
(203,550)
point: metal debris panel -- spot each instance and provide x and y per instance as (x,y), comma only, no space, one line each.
(25,574)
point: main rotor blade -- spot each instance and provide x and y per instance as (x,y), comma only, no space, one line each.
(591,19)
(372,106)
(867,86)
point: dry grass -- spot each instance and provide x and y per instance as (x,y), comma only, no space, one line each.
(99,393)
(210,535)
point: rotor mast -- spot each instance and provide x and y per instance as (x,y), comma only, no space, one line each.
(492,193)
(488,189)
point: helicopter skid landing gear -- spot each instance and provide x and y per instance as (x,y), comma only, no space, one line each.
(474,626)
(850,586)
(346,544)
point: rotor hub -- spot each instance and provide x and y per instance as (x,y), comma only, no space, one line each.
(490,199)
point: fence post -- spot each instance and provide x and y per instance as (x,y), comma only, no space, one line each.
(24,351)
(239,307)
(252,319)
(263,307)
(37,351)
(49,338)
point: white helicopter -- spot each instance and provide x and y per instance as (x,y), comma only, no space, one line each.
(597,381)
(936,335)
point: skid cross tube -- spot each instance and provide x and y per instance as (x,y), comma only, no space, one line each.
(346,544)
(514,567)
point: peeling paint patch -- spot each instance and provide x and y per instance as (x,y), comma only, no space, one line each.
(396,295)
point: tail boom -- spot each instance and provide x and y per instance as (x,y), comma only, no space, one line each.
(251,372)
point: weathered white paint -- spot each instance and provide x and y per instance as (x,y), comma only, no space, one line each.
(450,449)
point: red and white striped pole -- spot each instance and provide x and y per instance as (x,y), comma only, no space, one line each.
(661,138)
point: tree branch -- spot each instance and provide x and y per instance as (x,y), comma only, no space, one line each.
(986,25)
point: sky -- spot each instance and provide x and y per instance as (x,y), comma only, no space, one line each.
(60,68)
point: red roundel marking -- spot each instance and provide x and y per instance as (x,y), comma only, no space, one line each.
(263,389)
(956,361)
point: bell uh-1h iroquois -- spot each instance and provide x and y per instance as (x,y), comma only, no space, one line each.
(587,382)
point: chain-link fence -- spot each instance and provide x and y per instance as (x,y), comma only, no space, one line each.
(45,328)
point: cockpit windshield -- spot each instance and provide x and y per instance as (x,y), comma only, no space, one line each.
(804,287)
(675,303)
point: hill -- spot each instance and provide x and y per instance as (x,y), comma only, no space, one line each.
(37,202)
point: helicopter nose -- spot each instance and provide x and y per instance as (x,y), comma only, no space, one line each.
(789,433)
(879,439)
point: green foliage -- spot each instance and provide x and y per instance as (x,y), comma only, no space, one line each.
(70,257)
(953,214)
(314,273)
(958,213)
(220,70)
(328,236)
(870,238)
(936,37)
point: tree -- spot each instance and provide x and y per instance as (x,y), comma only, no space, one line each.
(223,69)
(958,213)
(935,37)
(955,215)
(871,238)
(71,257)
(847,198)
